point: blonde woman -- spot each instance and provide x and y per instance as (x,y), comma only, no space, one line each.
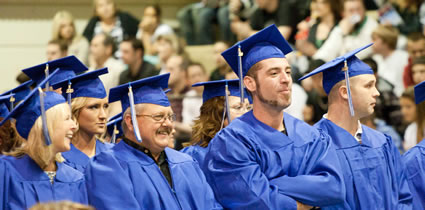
(35,171)
(90,110)
(64,30)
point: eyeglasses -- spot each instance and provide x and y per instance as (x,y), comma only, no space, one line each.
(159,117)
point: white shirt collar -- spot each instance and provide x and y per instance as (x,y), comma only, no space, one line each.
(358,134)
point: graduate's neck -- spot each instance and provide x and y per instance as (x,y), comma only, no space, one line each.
(268,115)
(85,142)
(340,115)
(51,166)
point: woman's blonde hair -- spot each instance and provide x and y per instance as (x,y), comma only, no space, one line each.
(60,17)
(35,146)
(209,121)
(77,104)
(388,34)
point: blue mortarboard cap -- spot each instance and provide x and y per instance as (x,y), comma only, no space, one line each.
(148,90)
(342,68)
(420,92)
(4,102)
(83,85)
(70,63)
(217,88)
(27,112)
(19,92)
(114,127)
(267,43)
(333,70)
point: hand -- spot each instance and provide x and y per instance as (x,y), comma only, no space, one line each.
(147,25)
(346,25)
(301,206)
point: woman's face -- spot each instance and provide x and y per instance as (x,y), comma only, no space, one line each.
(93,116)
(105,9)
(236,108)
(165,50)
(408,109)
(63,131)
(322,8)
(66,30)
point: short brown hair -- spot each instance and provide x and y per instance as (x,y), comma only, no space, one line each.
(9,137)
(209,121)
(388,34)
(63,46)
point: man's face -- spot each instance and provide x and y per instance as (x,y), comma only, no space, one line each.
(53,52)
(418,73)
(97,49)
(273,85)
(155,134)
(352,8)
(173,67)
(364,94)
(378,44)
(220,47)
(196,74)
(416,49)
(105,9)
(128,54)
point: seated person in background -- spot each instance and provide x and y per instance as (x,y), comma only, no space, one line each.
(192,100)
(141,168)
(328,14)
(285,14)
(108,19)
(167,45)
(132,51)
(56,49)
(414,115)
(391,61)
(354,30)
(414,159)
(151,27)
(64,29)
(416,48)
(222,68)
(418,70)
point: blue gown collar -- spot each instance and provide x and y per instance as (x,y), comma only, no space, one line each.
(342,138)
(30,171)
(76,156)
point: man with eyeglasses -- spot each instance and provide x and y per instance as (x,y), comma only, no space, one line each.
(141,172)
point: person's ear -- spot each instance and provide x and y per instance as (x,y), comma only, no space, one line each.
(250,83)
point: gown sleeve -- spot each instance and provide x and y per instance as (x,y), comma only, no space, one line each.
(237,179)
(318,170)
(415,171)
(108,185)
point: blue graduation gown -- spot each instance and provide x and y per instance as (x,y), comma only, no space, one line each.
(373,172)
(197,152)
(78,160)
(23,184)
(414,160)
(125,178)
(251,165)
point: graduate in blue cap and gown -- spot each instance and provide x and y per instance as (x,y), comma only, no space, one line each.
(87,96)
(267,159)
(371,164)
(69,67)
(141,172)
(214,114)
(9,138)
(114,129)
(414,160)
(35,172)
